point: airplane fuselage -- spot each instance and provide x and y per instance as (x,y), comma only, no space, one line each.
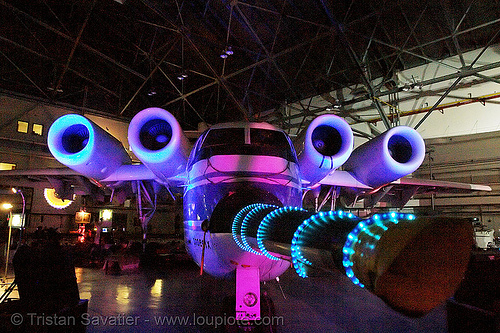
(230,167)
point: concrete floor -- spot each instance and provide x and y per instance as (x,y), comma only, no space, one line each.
(147,301)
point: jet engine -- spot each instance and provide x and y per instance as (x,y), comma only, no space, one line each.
(80,144)
(390,156)
(157,139)
(327,144)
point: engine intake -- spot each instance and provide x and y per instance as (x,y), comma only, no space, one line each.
(327,145)
(157,139)
(80,144)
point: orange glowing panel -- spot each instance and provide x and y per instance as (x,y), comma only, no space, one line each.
(53,200)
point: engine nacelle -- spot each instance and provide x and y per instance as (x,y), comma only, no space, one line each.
(80,144)
(327,144)
(388,157)
(157,139)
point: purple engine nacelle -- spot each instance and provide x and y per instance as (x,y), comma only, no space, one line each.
(157,139)
(326,146)
(80,144)
(388,157)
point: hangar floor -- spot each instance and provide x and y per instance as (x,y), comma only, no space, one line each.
(177,299)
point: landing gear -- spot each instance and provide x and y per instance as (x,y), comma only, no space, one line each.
(146,205)
(251,310)
(267,324)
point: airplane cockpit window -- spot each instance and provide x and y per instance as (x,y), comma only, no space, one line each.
(241,141)
(224,136)
(263,137)
(223,141)
(273,143)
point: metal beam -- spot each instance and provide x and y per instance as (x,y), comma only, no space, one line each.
(268,54)
(147,79)
(465,73)
(220,80)
(24,74)
(73,49)
(359,65)
(458,79)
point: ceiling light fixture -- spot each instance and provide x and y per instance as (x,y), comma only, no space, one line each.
(182,76)
(333,107)
(406,87)
(228,51)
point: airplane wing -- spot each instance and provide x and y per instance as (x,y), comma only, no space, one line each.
(375,171)
(65,181)
(396,193)
(439,186)
(68,182)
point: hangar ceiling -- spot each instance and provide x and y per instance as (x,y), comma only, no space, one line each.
(214,61)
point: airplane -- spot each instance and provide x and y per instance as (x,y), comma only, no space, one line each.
(243,186)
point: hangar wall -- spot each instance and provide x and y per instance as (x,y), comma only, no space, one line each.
(471,158)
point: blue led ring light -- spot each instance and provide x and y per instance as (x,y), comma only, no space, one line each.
(376,221)
(310,227)
(264,227)
(238,219)
(254,213)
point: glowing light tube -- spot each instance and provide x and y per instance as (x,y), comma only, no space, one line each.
(278,227)
(251,223)
(367,232)
(247,219)
(315,232)
(236,227)
(412,263)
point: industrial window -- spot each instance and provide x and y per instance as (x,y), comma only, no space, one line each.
(7,166)
(22,126)
(37,129)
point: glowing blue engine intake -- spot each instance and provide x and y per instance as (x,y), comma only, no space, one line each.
(81,145)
